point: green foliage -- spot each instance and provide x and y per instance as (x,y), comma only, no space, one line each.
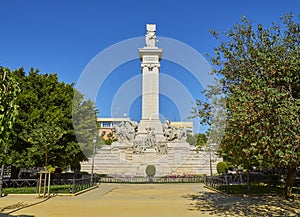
(45,141)
(8,111)
(50,168)
(197,139)
(260,189)
(59,189)
(222,167)
(43,133)
(85,123)
(150,170)
(191,139)
(259,76)
(110,139)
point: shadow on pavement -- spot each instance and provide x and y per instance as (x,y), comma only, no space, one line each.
(213,203)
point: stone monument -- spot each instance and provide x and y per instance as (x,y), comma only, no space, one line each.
(150,142)
(150,57)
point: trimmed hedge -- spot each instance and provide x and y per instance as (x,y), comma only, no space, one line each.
(150,170)
(222,167)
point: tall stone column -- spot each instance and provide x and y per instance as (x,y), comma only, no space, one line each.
(150,57)
(150,93)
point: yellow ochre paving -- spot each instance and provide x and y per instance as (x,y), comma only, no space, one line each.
(150,200)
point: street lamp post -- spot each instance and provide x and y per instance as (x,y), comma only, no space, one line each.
(210,163)
(93,156)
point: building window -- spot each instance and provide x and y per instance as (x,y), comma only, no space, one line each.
(106,124)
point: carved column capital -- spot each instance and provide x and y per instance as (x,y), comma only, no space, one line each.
(150,66)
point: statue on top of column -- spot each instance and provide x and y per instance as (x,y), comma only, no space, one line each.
(150,35)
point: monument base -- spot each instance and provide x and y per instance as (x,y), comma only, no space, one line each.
(180,159)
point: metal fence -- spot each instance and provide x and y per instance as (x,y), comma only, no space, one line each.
(242,178)
(58,185)
(81,184)
(194,179)
(18,183)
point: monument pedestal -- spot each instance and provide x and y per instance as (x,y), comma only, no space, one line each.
(180,159)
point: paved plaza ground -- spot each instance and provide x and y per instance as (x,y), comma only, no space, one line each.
(148,200)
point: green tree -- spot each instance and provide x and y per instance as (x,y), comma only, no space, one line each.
(45,142)
(191,139)
(198,139)
(85,123)
(44,133)
(8,113)
(259,75)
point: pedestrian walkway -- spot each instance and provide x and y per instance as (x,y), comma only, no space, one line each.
(148,200)
(113,200)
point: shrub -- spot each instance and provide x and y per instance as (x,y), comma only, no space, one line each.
(222,167)
(50,169)
(150,170)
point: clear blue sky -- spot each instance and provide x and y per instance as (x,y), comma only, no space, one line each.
(62,36)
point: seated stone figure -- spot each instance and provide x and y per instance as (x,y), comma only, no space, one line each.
(125,131)
(150,139)
(171,133)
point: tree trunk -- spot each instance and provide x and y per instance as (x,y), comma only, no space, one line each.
(248,180)
(1,179)
(14,172)
(289,182)
(46,159)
